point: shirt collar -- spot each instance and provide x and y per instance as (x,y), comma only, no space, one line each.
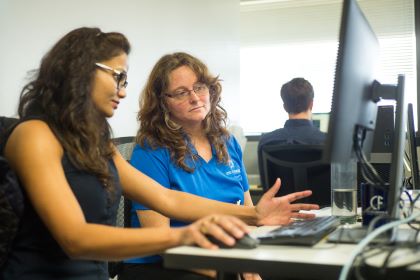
(298,122)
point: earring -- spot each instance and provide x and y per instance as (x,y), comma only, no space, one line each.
(169,123)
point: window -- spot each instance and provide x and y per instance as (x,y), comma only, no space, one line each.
(281,40)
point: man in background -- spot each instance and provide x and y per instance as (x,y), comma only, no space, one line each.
(298,97)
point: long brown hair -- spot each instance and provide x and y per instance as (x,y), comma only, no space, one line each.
(160,131)
(60,92)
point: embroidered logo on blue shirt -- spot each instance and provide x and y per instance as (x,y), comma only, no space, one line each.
(234,170)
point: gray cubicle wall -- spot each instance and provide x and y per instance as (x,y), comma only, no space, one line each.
(250,157)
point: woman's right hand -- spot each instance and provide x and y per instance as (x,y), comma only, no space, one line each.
(222,227)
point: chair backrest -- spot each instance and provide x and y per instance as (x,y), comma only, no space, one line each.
(6,124)
(11,195)
(125,146)
(300,167)
(12,205)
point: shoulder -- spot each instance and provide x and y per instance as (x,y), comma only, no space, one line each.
(146,147)
(269,136)
(33,133)
(232,142)
(32,138)
(146,152)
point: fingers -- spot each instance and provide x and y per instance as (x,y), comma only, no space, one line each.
(303,206)
(298,215)
(223,228)
(298,195)
(274,189)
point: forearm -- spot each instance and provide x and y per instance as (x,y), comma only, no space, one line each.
(100,242)
(188,207)
(175,204)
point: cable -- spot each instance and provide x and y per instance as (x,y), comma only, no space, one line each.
(365,241)
(411,210)
(369,172)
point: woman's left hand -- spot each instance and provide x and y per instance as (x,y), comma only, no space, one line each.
(273,210)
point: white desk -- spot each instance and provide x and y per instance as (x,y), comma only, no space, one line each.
(323,261)
(287,261)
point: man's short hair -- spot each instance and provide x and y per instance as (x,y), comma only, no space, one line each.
(297,95)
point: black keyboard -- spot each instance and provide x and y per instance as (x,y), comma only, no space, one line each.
(301,232)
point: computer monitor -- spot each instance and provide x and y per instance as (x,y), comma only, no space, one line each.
(320,120)
(412,147)
(355,97)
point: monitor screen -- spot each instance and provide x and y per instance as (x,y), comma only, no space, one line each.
(352,104)
(355,97)
(320,120)
(412,147)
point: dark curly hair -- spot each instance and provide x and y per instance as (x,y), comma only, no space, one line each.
(156,127)
(60,92)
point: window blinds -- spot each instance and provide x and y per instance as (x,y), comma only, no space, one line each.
(284,39)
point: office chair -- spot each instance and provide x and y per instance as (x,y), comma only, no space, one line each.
(125,146)
(300,167)
(6,124)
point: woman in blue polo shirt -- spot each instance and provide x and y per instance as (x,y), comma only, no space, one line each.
(188,149)
(184,145)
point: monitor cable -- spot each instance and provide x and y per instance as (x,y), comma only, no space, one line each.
(365,241)
(368,171)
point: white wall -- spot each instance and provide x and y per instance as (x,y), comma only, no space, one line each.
(208,29)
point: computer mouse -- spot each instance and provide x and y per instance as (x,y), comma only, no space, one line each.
(246,242)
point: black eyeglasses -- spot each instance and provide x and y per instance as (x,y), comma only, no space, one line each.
(200,89)
(119,76)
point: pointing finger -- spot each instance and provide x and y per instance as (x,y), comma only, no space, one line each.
(301,206)
(298,195)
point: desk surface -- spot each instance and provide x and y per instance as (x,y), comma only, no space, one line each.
(322,261)
(287,261)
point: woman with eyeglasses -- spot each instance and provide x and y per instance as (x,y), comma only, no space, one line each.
(73,176)
(183,144)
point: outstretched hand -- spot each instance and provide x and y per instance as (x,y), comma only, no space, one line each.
(273,210)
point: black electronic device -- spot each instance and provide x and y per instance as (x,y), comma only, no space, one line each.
(412,147)
(383,137)
(382,143)
(302,232)
(246,242)
(354,104)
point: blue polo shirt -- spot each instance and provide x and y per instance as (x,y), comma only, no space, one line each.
(213,180)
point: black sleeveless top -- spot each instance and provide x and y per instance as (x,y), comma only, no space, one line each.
(35,253)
